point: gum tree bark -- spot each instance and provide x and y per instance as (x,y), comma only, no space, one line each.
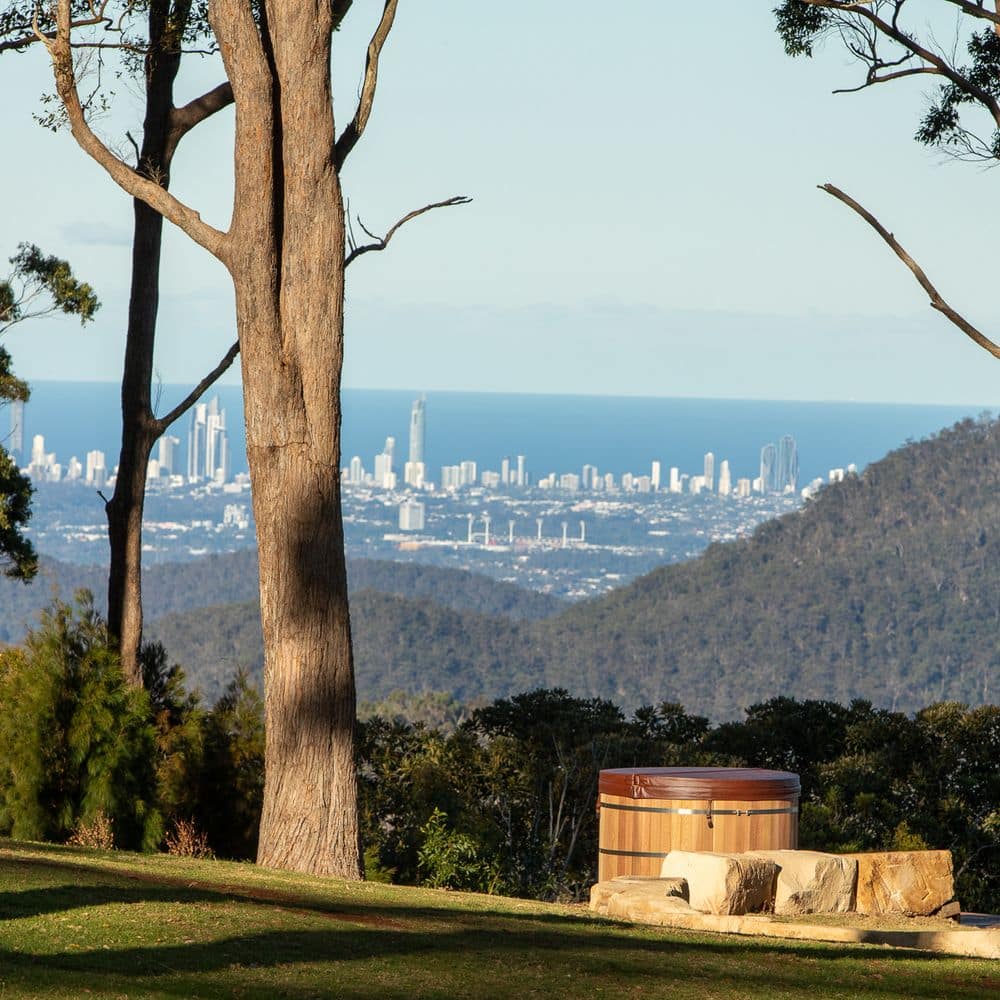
(286,256)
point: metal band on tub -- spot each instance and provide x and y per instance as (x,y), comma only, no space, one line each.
(701,812)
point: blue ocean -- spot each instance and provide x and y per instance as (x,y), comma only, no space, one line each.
(556,433)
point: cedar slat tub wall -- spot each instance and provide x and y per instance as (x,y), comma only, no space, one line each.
(647,812)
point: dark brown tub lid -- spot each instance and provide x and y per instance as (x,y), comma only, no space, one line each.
(725,783)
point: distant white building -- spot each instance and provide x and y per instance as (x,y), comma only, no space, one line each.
(167,454)
(411,515)
(725,480)
(97,472)
(234,515)
(469,473)
(414,474)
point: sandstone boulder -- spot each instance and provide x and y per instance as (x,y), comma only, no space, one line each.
(911,882)
(723,883)
(670,886)
(812,882)
(638,898)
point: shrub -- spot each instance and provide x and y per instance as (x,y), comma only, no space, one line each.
(98,832)
(185,840)
(448,859)
(76,741)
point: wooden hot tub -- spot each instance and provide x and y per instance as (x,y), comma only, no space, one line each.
(647,812)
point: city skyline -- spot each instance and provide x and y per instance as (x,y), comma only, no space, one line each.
(208,455)
(779,467)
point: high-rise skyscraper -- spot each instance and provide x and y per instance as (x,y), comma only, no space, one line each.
(725,479)
(709,471)
(788,465)
(208,443)
(196,442)
(768,468)
(168,454)
(417,430)
(97,473)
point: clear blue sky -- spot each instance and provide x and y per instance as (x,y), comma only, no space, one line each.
(646,218)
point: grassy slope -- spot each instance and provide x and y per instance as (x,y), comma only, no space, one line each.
(77,923)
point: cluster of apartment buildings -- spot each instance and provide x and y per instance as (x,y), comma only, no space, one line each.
(208,457)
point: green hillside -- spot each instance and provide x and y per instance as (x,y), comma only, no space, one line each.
(886,587)
(231,578)
(399,643)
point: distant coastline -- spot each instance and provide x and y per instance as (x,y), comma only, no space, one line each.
(557,433)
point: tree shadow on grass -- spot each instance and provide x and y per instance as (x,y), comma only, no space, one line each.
(404,937)
(464,957)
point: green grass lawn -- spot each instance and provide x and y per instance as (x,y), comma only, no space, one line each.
(77,923)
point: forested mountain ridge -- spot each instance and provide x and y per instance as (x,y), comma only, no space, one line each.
(231,578)
(885,586)
(399,643)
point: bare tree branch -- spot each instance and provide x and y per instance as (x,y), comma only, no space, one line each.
(124,176)
(28,33)
(350,136)
(860,8)
(874,78)
(185,118)
(162,423)
(382,242)
(976,10)
(935,298)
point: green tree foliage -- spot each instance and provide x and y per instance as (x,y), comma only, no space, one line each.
(20,561)
(40,285)
(37,286)
(179,722)
(75,739)
(232,783)
(891,45)
(448,859)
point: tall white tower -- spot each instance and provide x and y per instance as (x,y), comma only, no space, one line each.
(417,430)
(725,479)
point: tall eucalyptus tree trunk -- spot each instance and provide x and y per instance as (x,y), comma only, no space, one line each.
(286,257)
